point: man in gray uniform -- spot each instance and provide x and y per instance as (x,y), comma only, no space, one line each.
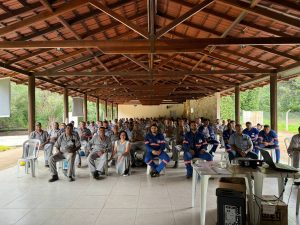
(54,133)
(241,145)
(67,144)
(41,135)
(99,145)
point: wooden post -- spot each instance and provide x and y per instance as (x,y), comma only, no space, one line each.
(66,106)
(273,101)
(97,109)
(105,110)
(117,111)
(112,111)
(31,103)
(85,110)
(237,105)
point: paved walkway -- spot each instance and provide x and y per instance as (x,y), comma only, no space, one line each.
(13,140)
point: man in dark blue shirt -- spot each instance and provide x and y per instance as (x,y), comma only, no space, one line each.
(194,146)
(155,145)
(268,138)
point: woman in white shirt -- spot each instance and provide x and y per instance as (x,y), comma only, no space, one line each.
(122,154)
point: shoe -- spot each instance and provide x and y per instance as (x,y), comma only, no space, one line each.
(155,174)
(71,179)
(101,172)
(297,183)
(188,176)
(176,164)
(54,178)
(96,175)
(125,175)
(46,165)
(79,165)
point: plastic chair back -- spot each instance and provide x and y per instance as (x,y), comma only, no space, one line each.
(31,148)
(287,141)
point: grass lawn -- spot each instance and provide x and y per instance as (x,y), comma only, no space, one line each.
(4,148)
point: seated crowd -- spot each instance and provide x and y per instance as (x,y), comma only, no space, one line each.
(128,143)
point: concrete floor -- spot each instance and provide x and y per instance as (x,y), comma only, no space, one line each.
(137,199)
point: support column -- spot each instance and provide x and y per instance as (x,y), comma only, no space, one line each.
(117,111)
(85,111)
(112,111)
(237,105)
(105,110)
(31,103)
(273,101)
(66,106)
(97,109)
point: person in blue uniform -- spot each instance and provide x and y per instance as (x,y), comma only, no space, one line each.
(252,132)
(155,145)
(267,138)
(207,131)
(227,133)
(194,146)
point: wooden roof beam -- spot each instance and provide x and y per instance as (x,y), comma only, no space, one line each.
(42,16)
(184,17)
(144,46)
(119,18)
(161,73)
(131,58)
(263,12)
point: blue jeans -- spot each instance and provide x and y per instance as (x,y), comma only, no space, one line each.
(233,154)
(215,144)
(165,159)
(187,157)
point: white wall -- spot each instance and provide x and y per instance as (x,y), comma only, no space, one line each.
(142,111)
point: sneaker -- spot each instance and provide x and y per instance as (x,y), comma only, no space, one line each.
(54,178)
(125,175)
(155,174)
(188,176)
(96,175)
(297,183)
(71,179)
(101,172)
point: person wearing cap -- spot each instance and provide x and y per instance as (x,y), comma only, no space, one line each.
(194,146)
(54,133)
(155,145)
(241,145)
(85,135)
(207,130)
(99,146)
(252,132)
(267,138)
(41,135)
(67,144)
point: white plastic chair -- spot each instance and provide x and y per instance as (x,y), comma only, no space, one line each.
(287,142)
(30,155)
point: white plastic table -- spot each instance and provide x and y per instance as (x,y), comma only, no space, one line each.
(203,171)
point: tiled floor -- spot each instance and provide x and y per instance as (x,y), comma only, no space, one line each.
(114,200)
